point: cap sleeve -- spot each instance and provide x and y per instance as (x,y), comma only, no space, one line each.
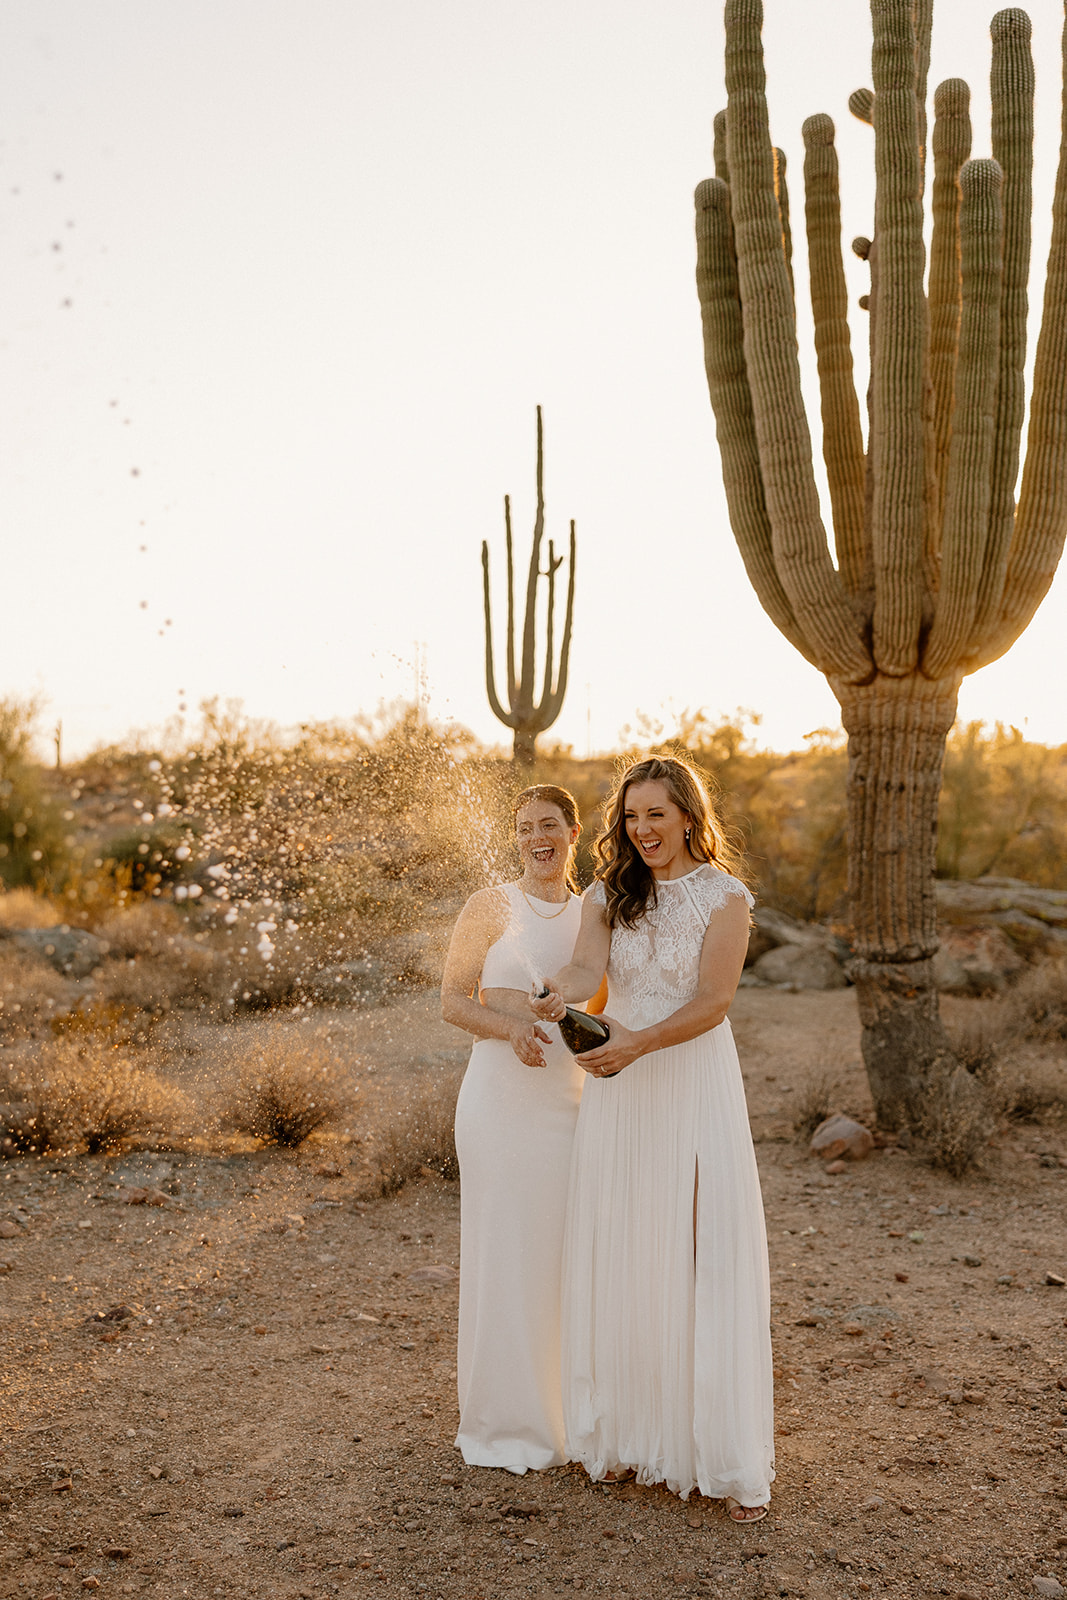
(597,894)
(713,888)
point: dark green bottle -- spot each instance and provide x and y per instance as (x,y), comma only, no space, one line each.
(580,1031)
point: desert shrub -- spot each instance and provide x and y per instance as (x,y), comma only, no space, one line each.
(156,960)
(89,1096)
(817,1099)
(415,1136)
(1036,1092)
(286,1090)
(33,841)
(1036,1008)
(961,1117)
(142,858)
(32,993)
(1003,807)
(976,1046)
(24,908)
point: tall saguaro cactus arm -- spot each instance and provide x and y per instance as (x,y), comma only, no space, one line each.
(814,591)
(526,714)
(1041,517)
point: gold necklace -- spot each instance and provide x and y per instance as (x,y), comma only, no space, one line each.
(546,916)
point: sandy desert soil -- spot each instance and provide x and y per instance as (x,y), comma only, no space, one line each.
(248,1389)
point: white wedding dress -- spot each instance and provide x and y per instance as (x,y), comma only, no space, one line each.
(666,1336)
(514,1135)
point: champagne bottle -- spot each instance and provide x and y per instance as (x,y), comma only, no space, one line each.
(580,1031)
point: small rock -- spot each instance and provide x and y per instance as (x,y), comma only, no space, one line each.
(85,1223)
(7,1266)
(433,1275)
(259,1329)
(90,1583)
(908,1510)
(114,1314)
(916,1236)
(694,1518)
(64,1561)
(294,1219)
(118,1552)
(853,1329)
(1050,1587)
(1054,1281)
(973,1397)
(901,1277)
(10,1230)
(841,1136)
(329,1169)
(835,1167)
(972,1261)
(155,1473)
(62,1486)
(133,1197)
(954,1397)
(233,1511)
(68,950)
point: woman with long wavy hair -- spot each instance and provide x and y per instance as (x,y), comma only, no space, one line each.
(666,1301)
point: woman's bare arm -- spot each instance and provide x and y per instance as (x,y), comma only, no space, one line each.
(481,922)
(580,979)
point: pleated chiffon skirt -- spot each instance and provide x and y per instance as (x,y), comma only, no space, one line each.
(666,1364)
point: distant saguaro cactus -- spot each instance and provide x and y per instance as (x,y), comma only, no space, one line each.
(937,570)
(527,715)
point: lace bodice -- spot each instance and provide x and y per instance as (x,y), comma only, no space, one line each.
(653,967)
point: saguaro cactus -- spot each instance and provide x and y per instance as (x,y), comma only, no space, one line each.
(527,715)
(937,569)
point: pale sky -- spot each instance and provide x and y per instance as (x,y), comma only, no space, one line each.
(281,285)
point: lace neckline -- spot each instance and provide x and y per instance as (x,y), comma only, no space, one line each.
(683,876)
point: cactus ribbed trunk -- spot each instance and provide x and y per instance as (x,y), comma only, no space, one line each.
(896,740)
(524,747)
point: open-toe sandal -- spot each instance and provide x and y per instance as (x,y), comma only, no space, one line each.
(742,1514)
(620,1475)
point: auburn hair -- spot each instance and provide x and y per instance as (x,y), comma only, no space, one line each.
(627,878)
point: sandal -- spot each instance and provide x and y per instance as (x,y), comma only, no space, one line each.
(739,1513)
(620,1475)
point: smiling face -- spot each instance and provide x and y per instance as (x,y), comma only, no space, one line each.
(544,840)
(655,826)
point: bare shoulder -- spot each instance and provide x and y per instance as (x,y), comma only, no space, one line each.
(488,910)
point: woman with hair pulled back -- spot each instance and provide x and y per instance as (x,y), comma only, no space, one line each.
(666,1302)
(515,1122)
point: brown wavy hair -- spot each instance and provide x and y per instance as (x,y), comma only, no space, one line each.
(552,794)
(626,876)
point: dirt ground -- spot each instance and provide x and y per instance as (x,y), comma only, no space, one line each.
(248,1389)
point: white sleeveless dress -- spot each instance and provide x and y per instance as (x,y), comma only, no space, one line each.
(514,1135)
(666,1340)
